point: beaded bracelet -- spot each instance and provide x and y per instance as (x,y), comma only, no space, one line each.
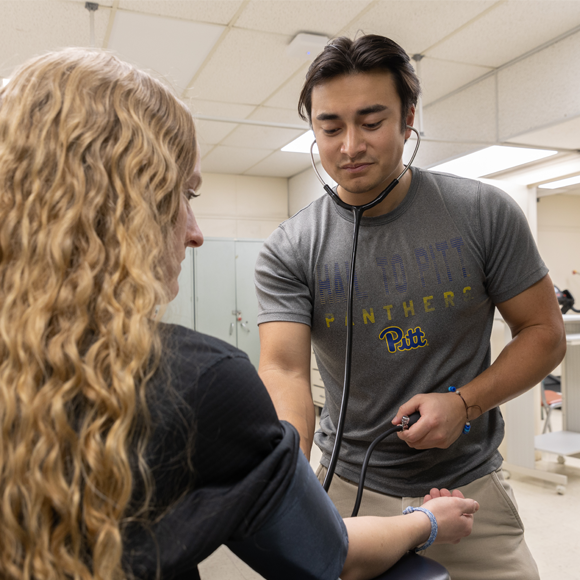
(467,427)
(434,527)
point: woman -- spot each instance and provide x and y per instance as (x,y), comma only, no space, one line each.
(132,448)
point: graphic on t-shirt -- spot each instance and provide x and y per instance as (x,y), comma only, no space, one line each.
(398,340)
(438,263)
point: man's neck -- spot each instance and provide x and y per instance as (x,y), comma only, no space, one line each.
(391,202)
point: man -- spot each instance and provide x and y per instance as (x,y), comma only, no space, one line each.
(435,258)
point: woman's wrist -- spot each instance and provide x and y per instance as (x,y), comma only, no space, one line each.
(428,523)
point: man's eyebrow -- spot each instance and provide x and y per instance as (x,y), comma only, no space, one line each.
(372,109)
(360,113)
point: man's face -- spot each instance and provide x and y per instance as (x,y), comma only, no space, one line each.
(357,123)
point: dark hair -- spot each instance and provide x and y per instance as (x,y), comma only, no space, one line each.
(343,56)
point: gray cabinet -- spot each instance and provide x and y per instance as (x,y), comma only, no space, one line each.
(225,299)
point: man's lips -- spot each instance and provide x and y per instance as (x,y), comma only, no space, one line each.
(355,167)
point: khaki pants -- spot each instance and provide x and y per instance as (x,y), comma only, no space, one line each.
(495,550)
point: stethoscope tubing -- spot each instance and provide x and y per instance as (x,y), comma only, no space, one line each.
(357,211)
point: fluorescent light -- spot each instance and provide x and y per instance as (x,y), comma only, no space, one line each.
(561,183)
(491,160)
(302,144)
(5,82)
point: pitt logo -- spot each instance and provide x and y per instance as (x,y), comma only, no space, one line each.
(397,340)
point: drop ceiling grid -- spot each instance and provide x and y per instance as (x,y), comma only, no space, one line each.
(508,31)
(281,164)
(33,28)
(247,67)
(468,116)
(416,25)
(236,160)
(560,135)
(440,77)
(288,17)
(173,49)
(519,92)
(214,11)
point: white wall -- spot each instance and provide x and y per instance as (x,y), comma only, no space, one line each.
(305,187)
(559,240)
(241,206)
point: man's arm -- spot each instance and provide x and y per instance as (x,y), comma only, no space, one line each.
(538,345)
(285,370)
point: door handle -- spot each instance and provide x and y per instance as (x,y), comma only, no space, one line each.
(245,327)
(232,328)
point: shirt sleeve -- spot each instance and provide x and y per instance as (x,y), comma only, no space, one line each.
(281,283)
(512,259)
(304,538)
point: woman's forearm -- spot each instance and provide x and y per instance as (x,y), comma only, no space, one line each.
(375,544)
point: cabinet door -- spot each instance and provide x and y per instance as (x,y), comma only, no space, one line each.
(215,290)
(246,301)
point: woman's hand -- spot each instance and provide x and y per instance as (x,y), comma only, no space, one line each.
(453,512)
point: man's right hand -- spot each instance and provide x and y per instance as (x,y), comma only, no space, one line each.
(453,512)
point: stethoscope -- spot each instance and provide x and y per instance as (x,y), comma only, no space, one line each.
(411,566)
(357,211)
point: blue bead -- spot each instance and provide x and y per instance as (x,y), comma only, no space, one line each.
(452,389)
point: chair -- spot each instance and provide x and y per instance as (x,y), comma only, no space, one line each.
(550,400)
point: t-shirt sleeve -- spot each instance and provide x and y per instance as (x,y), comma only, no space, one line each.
(511,257)
(281,283)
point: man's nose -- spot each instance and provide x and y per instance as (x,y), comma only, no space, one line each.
(353,143)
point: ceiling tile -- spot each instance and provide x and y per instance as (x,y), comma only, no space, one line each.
(173,49)
(509,30)
(247,67)
(286,97)
(281,164)
(204,148)
(232,159)
(216,11)
(440,77)
(257,137)
(419,24)
(276,115)
(217,109)
(211,132)
(289,17)
(32,28)
(566,135)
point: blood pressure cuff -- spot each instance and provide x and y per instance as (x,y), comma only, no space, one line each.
(304,537)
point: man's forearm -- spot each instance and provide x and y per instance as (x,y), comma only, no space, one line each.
(523,363)
(293,402)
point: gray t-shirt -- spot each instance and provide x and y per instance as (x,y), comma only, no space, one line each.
(427,277)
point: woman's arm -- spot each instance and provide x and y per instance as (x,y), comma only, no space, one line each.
(376,544)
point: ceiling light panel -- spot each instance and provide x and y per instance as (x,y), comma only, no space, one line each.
(492,160)
(561,183)
(290,16)
(302,144)
(170,48)
(419,24)
(507,31)
(213,11)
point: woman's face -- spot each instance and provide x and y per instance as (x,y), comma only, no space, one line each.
(186,232)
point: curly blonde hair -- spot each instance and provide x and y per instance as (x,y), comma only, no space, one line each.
(93,159)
